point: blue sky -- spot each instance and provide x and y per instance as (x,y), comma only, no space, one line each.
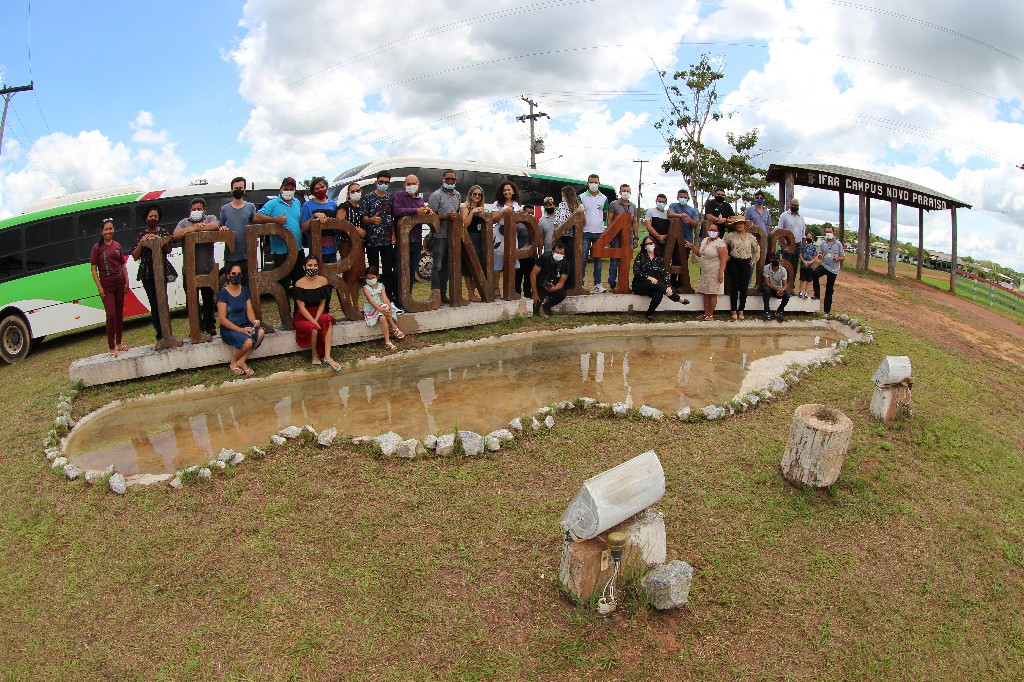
(162,93)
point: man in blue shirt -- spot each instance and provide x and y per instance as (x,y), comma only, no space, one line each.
(688,215)
(284,210)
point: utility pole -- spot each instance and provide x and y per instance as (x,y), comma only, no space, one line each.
(536,146)
(8,93)
(640,185)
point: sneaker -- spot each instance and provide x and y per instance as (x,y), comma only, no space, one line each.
(814,298)
(778,316)
(767,315)
(598,289)
(536,308)
(397,311)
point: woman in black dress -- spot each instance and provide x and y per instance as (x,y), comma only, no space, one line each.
(649,277)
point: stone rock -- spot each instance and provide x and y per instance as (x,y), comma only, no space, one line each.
(64,407)
(534,424)
(221,465)
(648,412)
(226,455)
(501,434)
(409,448)
(291,432)
(430,442)
(205,473)
(175,483)
(146,479)
(751,399)
(588,402)
(277,440)
(843,344)
(309,431)
(778,385)
(72,471)
(62,424)
(713,412)
(549,422)
(516,425)
(258,453)
(237,459)
(363,440)
(389,443)
(620,409)
(52,453)
(59,462)
(472,443)
(669,584)
(93,475)
(543,410)
(326,437)
(684,413)
(603,406)
(565,405)
(445,444)
(492,444)
(117,484)
(192,469)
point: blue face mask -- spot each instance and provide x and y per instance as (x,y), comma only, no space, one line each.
(382,186)
(759,201)
(661,205)
(448,185)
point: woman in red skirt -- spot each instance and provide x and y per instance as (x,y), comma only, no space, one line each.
(314,326)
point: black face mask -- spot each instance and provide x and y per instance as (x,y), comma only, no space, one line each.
(549,209)
(720,199)
(235,279)
(238,193)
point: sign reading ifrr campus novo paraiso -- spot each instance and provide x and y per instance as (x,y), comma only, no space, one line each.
(838,182)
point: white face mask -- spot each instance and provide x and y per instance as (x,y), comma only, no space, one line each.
(650,248)
(195,216)
(371,282)
(683,201)
(557,257)
(624,196)
(712,234)
(355,196)
(829,236)
(412,189)
(287,195)
(593,187)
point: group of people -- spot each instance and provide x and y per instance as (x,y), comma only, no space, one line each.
(545,277)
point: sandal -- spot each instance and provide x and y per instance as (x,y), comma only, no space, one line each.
(398,334)
(735,316)
(741,315)
(249,372)
(124,346)
(390,346)
(237,370)
(333,364)
(113,352)
(316,362)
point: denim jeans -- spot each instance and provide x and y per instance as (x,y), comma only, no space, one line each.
(588,241)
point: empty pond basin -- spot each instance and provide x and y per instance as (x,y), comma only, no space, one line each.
(477,386)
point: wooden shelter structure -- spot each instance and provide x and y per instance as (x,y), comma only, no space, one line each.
(867,185)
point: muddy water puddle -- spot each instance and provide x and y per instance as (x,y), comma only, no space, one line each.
(477,387)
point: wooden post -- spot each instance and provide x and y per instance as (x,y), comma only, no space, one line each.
(920,241)
(893,243)
(842,218)
(790,181)
(952,256)
(862,234)
(572,229)
(817,446)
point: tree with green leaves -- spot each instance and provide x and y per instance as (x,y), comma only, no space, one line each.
(690,109)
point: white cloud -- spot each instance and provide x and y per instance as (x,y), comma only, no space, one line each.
(143,126)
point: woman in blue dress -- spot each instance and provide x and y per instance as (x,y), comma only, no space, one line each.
(239,327)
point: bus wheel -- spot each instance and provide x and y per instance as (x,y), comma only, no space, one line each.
(15,340)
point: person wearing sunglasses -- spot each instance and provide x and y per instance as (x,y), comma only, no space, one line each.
(474,214)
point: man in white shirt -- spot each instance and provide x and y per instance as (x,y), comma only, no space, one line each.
(792,220)
(595,209)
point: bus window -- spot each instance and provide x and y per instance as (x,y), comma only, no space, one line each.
(51,256)
(10,253)
(91,224)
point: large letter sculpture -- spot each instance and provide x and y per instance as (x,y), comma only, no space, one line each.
(676,255)
(460,250)
(788,242)
(269,281)
(513,254)
(337,273)
(572,229)
(194,281)
(621,229)
(163,309)
(405,226)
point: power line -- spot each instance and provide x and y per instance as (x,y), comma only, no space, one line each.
(536,146)
(8,93)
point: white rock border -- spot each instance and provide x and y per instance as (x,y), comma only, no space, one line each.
(392,444)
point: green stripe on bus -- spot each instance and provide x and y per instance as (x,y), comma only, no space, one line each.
(568,181)
(69,208)
(72,283)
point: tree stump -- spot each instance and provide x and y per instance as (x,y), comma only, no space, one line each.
(891,402)
(817,446)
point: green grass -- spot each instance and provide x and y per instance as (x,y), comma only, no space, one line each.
(331,564)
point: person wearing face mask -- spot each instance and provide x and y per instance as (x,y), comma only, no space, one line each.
(808,259)
(547,223)
(410,202)
(444,201)
(774,286)
(377,208)
(237,216)
(657,223)
(650,278)
(687,214)
(615,209)
(567,207)
(831,255)
(284,210)
(758,214)
(239,326)
(199,220)
(717,210)
(314,325)
(153,214)
(379,309)
(595,209)
(349,210)
(792,220)
(473,214)
(713,257)
(549,276)
(744,253)
(319,208)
